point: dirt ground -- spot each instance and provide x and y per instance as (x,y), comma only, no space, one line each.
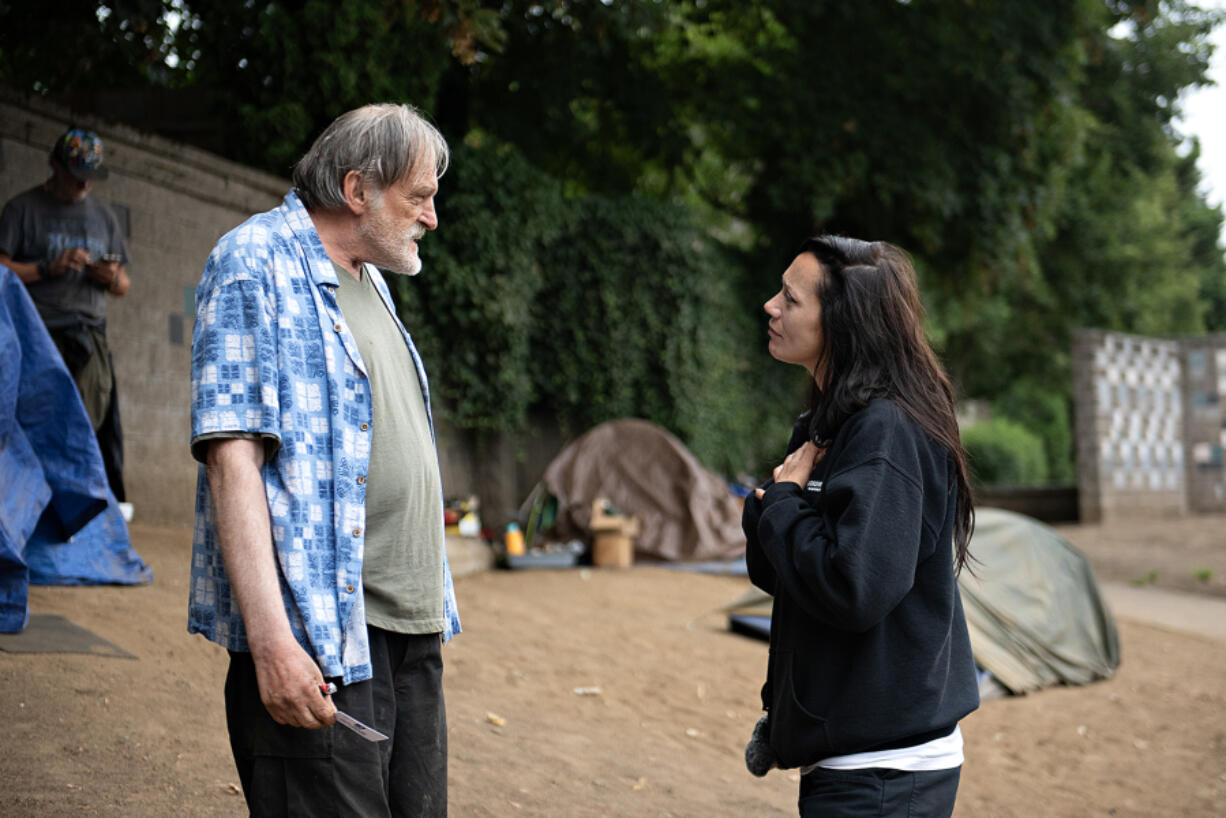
(612,693)
(1187,554)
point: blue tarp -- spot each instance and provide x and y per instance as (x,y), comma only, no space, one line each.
(59,523)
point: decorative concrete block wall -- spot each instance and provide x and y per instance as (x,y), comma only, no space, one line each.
(1151,424)
(1131,448)
(1204,367)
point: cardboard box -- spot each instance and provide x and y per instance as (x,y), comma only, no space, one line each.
(612,549)
(613,537)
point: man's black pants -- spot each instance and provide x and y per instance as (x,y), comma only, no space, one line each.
(292,771)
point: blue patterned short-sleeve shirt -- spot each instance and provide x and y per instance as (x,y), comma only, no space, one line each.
(272,356)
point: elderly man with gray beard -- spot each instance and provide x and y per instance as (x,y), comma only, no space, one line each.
(319,558)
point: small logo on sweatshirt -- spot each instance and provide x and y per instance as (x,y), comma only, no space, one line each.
(814,486)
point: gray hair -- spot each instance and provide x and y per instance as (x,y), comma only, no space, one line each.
(383,142)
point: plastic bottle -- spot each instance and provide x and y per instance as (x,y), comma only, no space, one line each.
(514,539)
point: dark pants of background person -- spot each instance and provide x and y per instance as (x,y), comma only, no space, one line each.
(879,793)
(88,358)
(292,771)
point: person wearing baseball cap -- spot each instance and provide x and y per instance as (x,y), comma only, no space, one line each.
(80,153)
(69,250)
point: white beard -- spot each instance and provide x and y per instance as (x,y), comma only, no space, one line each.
(388,246)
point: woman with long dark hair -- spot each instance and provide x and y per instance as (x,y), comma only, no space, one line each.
(859,537)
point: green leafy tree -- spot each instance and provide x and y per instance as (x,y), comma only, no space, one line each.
(1024,152)
(79,46)
(1132,246)
(275,73)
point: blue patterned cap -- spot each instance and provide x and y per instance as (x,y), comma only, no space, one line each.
(81,153)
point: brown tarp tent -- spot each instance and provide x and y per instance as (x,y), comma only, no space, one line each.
(687,513)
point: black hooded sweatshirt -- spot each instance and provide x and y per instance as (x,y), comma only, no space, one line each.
(869,648)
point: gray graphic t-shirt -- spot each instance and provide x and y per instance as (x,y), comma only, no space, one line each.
(35,226)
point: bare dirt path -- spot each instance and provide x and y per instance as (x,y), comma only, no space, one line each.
(1182,554)
(666,699)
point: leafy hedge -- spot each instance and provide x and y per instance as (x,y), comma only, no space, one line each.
(1002,452)
(588,308)
(1045,412)
(471,309)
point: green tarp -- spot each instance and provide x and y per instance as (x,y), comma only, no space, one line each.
(1033,607)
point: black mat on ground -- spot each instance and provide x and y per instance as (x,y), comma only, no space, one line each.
(50,633)
(746,625)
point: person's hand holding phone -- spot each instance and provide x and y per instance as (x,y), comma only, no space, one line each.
(105,270)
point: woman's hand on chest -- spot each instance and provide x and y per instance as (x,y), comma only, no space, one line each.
(798,465)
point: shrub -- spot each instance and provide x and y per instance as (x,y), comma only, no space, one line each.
(1002,452)
(1045,412)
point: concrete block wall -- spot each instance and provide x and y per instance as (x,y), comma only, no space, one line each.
(176,201)
(1151,424)
(1129,397)
(500,469)
(1204,367)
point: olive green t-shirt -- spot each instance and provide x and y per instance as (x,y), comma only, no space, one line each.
(402,569)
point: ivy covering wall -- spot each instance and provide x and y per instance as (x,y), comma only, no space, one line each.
(588,308)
